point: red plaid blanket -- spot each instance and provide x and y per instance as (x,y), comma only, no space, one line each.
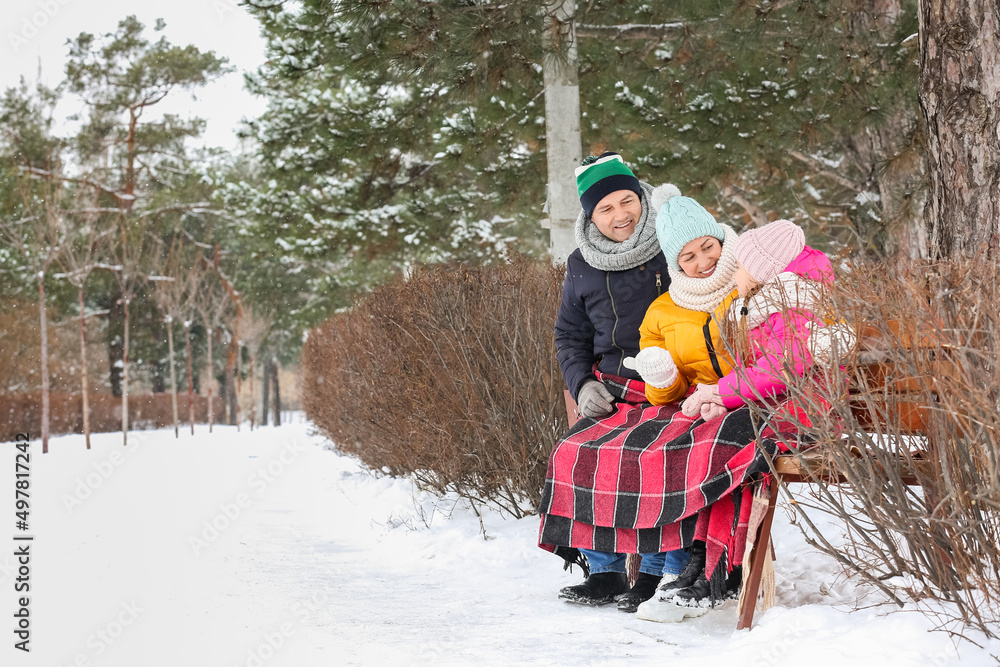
(647,479)
(625,389)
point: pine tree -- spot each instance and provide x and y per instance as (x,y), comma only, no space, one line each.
(960,66)
(758,109)
(804,110)
(138,166)
(368,168)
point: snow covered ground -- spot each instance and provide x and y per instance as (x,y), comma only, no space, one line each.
(271,549)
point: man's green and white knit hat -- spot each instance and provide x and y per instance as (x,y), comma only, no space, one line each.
(597,178)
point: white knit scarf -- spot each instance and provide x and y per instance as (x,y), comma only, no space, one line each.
(784,291)
(705,294)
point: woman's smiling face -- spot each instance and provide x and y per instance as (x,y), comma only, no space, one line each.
(699,257)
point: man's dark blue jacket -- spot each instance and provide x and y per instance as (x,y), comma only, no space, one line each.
(600,316)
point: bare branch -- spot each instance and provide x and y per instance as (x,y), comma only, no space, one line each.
(820,169)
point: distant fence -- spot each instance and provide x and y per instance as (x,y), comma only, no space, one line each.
(22,413)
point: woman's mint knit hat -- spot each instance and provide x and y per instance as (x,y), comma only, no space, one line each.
(598,177)
(680,221)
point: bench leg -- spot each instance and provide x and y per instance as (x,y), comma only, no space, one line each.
(756,558)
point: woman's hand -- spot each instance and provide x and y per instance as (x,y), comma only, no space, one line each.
(655,366)
(705,401)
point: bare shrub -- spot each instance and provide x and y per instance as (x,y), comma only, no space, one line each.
(21,412)
(923,406)
(20,341)
(450,376)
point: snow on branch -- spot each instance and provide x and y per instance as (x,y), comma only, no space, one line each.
(632,31)
(819,168)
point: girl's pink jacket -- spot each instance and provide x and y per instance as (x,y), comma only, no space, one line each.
(782,339)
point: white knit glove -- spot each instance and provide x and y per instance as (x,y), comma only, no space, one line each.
(834,340)
(655,366)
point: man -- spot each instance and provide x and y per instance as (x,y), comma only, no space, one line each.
(617,271)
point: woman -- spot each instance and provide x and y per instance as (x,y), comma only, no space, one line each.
(613,276)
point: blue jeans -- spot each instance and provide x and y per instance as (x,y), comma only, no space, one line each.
(665,562)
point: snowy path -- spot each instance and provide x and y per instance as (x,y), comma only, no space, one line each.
(268,549)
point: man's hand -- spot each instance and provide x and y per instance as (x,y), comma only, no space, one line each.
(594,400)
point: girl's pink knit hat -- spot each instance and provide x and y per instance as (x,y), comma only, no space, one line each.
(766,251)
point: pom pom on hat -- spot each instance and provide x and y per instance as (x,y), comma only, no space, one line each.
(598,177)
(680,221)
(766,251)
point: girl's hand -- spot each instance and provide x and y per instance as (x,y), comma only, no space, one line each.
(705,401)
(655,366)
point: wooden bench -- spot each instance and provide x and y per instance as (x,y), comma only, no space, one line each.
(901,399)
(786,469)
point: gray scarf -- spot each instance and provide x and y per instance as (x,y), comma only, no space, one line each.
(607,255)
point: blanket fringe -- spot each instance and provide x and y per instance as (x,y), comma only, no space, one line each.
(572,557)
(767,591)
(717,582)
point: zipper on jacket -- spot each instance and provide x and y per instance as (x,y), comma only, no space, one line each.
(614,329)
(711,348)
(659,285)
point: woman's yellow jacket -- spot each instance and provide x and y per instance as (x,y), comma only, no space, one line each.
(694,341)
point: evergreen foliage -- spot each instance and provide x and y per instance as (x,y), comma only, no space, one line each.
(371,169)
(395,124)
(129,175)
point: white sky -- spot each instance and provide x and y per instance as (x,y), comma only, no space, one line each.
(33,36)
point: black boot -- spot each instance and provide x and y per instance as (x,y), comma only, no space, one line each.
(644,588)
(598,589)
(694,569)
(699,594)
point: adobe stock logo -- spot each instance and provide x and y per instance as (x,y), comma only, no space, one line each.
(30,25)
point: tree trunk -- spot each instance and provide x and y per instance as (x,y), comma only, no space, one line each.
(173,374)
(562,128)
(42,315)
(230,386)
(266,390)
(190,378)
(277,395)
(211,378)
(889,162)
(125,378)
(239,384)
(252,410)
(84,384)
(115,316)
(960,98)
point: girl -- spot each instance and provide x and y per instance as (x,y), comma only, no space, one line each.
(775,324)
